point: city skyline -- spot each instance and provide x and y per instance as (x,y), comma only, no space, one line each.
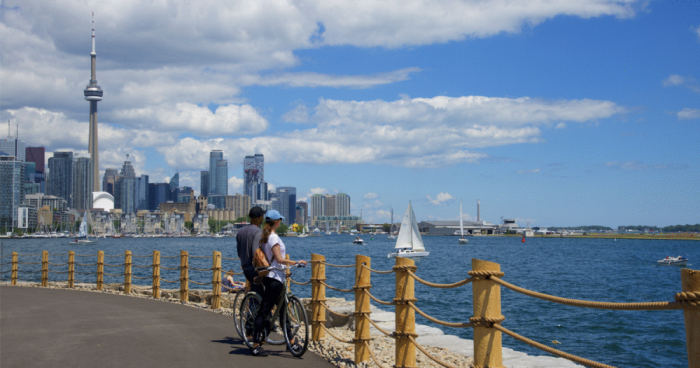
(585,113)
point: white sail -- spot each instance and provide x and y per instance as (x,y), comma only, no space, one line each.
(461,222)
(409,236)
(83,231)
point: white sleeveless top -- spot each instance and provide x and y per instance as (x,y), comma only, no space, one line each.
(267,248)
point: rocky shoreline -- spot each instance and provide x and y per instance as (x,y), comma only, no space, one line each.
(448,348)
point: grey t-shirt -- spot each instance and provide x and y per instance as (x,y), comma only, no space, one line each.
(248,240)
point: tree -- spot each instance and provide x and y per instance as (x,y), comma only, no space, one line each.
(386,227)
(282,229)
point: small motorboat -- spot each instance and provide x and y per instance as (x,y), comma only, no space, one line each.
(358,240)
(674,261)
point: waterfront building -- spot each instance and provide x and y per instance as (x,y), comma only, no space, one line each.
(110,178)
(141,193)
(38,200)
(265,205)
(93,94)
(60,181)
(102,200)
(189,206)
(342,204)
(204,183)
(12,193)
(222,177)
(214,157)
(200,223)
(291,206)
(240,204)
(183,194)
(82,183)
(254,184)
(318,205)
(452,227)
(346,222)
(329,206)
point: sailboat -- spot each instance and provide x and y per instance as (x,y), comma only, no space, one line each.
(409,243)
(337,228)
(328,232)
(462,240)
(83,237)
(391,236)
(303,231)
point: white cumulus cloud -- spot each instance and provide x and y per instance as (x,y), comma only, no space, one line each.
(441,198)
(688,114)
(235,185)
(533,171)
(371,195)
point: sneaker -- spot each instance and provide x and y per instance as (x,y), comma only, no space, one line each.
(259,351)
(295,347)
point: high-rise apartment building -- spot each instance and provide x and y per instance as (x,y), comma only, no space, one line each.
(110,178)
(280,202)
(214,156)
(124,189)
(204,183)
(342,204)
(291,204)
(175,183)
(329,206)
(318,205)
(12,193)
(60,183)
(14,147)
(82,183)
(158,193)
(222,177)
(240,204)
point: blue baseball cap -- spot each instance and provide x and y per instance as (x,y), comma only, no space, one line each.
(273,215)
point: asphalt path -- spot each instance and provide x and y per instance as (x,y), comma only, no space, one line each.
(41,327)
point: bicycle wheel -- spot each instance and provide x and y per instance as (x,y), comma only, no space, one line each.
(236,309)
(295,317)
(246,317)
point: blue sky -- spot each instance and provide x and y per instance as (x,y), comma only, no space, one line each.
(557,113)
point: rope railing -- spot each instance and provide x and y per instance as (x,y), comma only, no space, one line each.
(441,286)
(85,255)
(300,283)
(382,302)
(591,304)
(377,271)
(371,353)
(425,352)
(435,320)
(336,289)
(109,265)
(336,337)
(385,332)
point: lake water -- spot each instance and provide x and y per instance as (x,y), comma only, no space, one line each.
(591,269)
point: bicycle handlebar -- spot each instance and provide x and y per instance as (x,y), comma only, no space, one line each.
(279,267)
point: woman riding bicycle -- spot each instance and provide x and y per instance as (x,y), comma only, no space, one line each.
(275,251)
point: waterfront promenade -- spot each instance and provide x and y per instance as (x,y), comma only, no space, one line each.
(43,327)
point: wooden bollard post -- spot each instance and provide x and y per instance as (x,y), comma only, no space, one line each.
(71,269)
(487,304)
(216,281)
(14,268)
(690,283)
(45,268)
(127,272)
(405,316)
(318,296)
(156,274)
(184,275)
(362,311)
(100,269)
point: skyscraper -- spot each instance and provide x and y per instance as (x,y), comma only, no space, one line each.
(13,146)
(60,183)
(141,192)
(37,156)
(204,183)
(222,177)
(329,207)
(124,189)
(214,156)
(158,193)
(254,178)
(302,212)
(291,204)
(109,180)
(82,183)
(93,94)
(12,193)
(317,204)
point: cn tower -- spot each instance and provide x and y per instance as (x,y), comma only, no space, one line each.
(93,93)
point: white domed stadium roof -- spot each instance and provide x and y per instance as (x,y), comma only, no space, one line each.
(102,200)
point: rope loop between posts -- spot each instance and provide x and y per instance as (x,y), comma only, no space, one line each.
(147,266)
(596,305)
(231,259)
(371,353)
(141,278)
(37,271)
(85,264)
(338,266)
(85,255)
(385,332)
(440,286)
(169,268)
(170,256)
(376,271)
(58,264)
(425,352)
(378,300)
(200,269)
(334,336)
(56,254)
(335,288)
(171,282)
(300,283)
(433,319)
(487,322)
(56,271)
(133,255)
(109,274)
(200,283)
(29,263)
(559,353)
(25,255)
(199,256)
(411,268)
(119,265)
(402,301)
(116,255)
(325,306)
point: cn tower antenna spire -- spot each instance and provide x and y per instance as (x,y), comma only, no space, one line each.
(93,94)
(93,35)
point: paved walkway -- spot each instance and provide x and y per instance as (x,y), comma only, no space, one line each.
(68,328)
